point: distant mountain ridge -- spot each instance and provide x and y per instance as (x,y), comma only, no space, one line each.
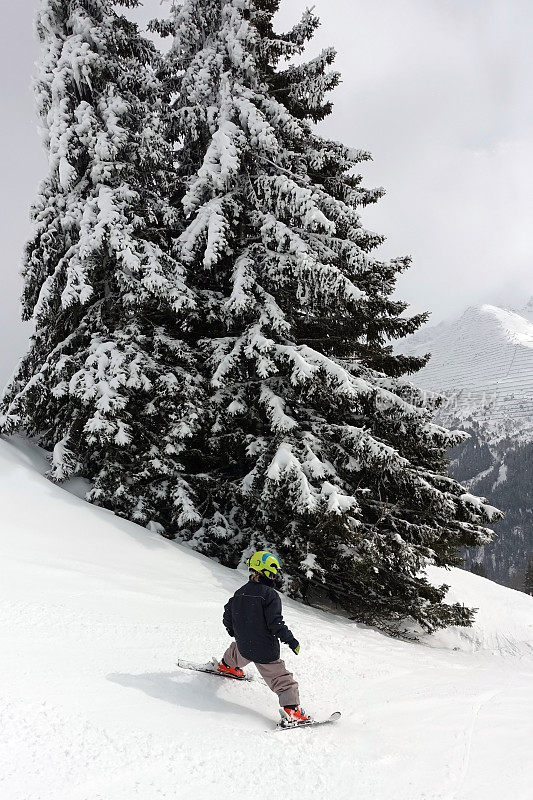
(483,363)
(484,359)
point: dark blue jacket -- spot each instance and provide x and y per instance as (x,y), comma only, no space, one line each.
(254,619)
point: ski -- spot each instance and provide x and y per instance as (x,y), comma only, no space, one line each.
(286,726)
(211,668)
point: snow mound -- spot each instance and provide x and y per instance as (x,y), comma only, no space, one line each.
(94,612)
(504,620)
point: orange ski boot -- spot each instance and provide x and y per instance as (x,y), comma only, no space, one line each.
(294,715)
(234,672)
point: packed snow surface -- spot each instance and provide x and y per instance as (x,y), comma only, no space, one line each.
(94,612)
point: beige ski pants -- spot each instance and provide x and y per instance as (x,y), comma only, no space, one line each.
(275,674)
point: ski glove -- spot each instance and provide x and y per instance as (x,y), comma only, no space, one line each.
(296,648)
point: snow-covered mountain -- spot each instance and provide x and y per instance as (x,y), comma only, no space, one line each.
(527,311)
(483,362)
(94,612)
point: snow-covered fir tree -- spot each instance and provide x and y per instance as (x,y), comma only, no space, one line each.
(315,448)
(528,583)
(108,385)
(222,365)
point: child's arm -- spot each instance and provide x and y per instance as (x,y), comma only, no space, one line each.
(227,618)
(276,623)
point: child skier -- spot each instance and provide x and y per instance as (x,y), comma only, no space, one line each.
(253,617)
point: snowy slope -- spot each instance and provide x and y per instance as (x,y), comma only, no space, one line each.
(95,610)
(485,357)
(527,311)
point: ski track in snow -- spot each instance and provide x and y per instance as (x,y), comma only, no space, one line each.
(94,612)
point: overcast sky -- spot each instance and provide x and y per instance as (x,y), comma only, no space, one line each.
(438,90)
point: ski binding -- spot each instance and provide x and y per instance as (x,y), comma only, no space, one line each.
(211,668)
(285,725)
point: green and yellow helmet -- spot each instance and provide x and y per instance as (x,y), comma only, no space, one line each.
(264,562)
